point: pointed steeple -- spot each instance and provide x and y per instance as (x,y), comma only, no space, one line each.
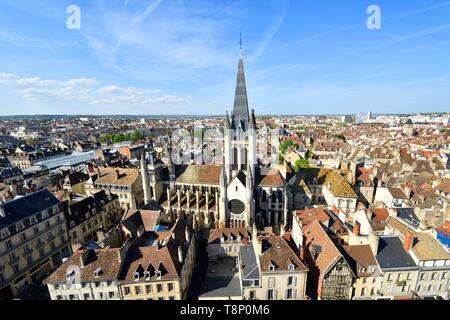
(227,121)
(240,109)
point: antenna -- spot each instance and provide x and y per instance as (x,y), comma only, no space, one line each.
(240,41)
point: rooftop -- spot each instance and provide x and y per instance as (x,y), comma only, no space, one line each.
(392,255)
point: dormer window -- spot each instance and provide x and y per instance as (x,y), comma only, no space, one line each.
(231,238)
(222,239)
(291,266)
(87,215)
(239,239)
(33,220)
(158,274)
(136,276)
(271,267)
(97,272)
(19,225)
(70,273)
(147,275)
(44,214)
(4,233)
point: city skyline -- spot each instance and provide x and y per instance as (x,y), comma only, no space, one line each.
(160,57)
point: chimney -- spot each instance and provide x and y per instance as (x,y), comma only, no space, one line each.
(117,174)
(119,256)
(287,236)
(302,254)
(342,216)
(356,227)
(180,254)
(373,242)
(408,241)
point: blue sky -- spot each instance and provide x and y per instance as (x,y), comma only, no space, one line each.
(180,56)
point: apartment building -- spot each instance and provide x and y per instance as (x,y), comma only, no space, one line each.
(88,216)
(331,276)
(74,182)
(431,257)
(270,270)
(87,275)
(159,264)
(33,241)
(369,277)
(125,183)
(400,272)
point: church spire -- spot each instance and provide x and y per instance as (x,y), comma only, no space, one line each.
(240,110)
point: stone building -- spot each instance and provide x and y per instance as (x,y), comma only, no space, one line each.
(33,241)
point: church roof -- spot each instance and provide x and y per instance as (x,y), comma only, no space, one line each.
(198,174)
(273,178)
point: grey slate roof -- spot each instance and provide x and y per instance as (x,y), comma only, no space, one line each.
(249,264)
(408,215)
(221,287)
(392,255)
(24,207)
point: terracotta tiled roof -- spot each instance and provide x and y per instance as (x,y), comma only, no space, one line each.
(125,177)
(275,251)
(106,259)
(200,174)
(444,186)
(397,193)
(163,257)
(272,179)
(216,234)
(379,217)
(363,257)
(310,214)
(445,227)
(316,237)
(134,219)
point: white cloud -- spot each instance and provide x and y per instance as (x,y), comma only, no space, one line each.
(84,90)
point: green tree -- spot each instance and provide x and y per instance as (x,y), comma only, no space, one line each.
(340,136)
(135,135)
(301,163)
(286,144)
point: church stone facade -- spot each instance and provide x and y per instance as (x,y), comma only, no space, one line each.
(240,193)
